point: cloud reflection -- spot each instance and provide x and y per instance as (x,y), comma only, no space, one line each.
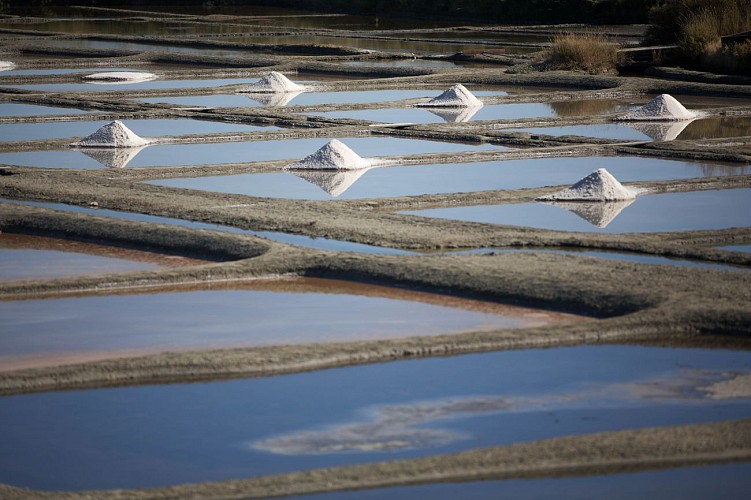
(398,427)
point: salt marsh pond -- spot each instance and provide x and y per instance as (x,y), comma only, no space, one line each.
(192,315)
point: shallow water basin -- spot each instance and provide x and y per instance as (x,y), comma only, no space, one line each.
(147,85)
(737,248)
(689,211)
(164,435)
(142,47)
(53,331)
(728,481)
(705,128)
(15,109)
(60,71)
(298,99)
(35,257)
(291,239)
(143,128)
(439,115)
(414,180)
(226,152)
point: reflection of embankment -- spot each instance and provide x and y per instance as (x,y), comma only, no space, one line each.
(587,107)
(29,242)
(717,127)
(337,287)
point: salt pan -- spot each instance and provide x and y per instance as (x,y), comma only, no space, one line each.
(600,185)
(333,156)
(120,77)
(662,107)
(6,65)
(456,96)
(273,82)
(112,135)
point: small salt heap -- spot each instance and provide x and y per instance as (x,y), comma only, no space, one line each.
(333,156)
(662,107)
(456,96)
(600,185)
(120,77)
(112,135)
(273,82)
(6,65)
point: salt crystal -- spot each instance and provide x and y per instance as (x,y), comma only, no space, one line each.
(120,76)
(456,96)
(662,107)
(333,156)
(273,82)
(600,185)
(112,135)
(6,65)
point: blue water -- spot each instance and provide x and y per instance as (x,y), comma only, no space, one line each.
(303,99)
(437,115)
(144,128)
(738,248)
(451,178)
(615,131)
(61,71)
(255,314)
(151,84)
(690,211)
(239,152)
(21,264)
(719,482)
(161,435)
(14,109)
(291,239)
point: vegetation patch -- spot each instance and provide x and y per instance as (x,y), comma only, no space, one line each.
(588,52)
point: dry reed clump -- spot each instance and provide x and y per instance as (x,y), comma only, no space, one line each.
(699,26)
(589,52)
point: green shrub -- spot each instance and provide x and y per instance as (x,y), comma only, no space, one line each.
(583,51)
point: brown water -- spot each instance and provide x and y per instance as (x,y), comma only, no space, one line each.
(25,257)
(99,325)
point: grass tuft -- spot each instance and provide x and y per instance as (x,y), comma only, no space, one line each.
(583,51)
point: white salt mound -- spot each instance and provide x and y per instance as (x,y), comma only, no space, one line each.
(120,76)
(662,107)
(600,185)
(333,156)
(274,82)
(456,96)
(6,65)
(112,135)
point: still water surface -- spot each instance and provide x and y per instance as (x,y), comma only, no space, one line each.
(689,211)
(162,435)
